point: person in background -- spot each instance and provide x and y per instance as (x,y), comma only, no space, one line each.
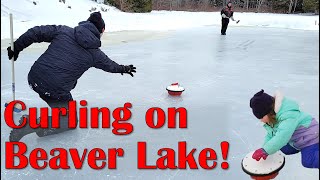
(226,14)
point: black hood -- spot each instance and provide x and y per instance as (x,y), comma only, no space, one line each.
(87,35)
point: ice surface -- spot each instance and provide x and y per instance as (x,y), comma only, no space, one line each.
(220,74)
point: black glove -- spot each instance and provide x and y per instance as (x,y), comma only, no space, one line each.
(11,54)
(129,70)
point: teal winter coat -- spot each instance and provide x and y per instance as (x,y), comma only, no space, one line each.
(293,127)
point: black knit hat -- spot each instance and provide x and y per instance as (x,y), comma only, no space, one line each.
(261,104)
(97,20)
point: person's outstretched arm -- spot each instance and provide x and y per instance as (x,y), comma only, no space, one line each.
(282,136)
(36,34)
(275,143)
(231,17)
(103,62)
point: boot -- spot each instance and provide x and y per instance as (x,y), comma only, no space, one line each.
(17,134)
(50,131)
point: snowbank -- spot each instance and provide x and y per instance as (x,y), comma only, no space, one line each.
(27,15)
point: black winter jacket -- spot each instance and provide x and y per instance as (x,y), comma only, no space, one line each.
(71,52)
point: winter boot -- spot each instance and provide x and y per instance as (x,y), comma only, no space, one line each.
(17,134)
(50,131)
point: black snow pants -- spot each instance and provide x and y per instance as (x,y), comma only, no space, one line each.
(52,100)
(224,25)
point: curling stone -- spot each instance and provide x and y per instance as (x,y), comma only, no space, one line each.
(263,169)
(175,89)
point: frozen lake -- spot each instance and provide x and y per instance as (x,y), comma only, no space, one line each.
(220,75)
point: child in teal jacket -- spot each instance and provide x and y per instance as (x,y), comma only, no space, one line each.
(288,129)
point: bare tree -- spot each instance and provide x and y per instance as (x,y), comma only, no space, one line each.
(214,5)
(295,5)
(259,3)
(121,4)
(290,6)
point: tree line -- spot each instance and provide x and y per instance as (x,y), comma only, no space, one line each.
(272,6)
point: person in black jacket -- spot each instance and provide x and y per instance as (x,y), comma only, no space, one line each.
(226,14)
(71,52)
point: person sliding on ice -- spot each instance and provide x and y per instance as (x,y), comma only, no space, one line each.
(288,128)
(226,13)
(71,52)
